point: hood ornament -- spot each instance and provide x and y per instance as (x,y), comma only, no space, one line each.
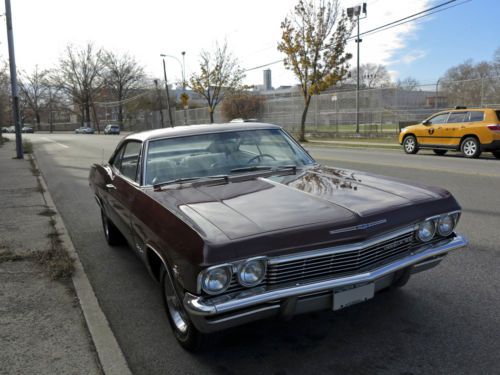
(359,227)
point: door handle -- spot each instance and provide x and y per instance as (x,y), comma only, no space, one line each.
(110,187)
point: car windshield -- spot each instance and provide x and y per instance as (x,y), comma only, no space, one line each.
(223,153)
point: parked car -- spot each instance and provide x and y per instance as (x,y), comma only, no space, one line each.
(237,222)
(27,129)
(470,131)
(84,130)
(112,129)
(10,129)
(5,129)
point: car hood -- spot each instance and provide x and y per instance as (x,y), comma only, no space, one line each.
(315,196)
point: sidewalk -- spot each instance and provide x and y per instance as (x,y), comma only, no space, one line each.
(42,328)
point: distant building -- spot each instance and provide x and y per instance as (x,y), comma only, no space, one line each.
(268,85)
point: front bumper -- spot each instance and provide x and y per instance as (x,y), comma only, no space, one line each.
(211,314)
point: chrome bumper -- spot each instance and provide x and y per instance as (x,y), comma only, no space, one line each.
(211,306)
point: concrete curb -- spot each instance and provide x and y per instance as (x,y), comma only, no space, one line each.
(109,352)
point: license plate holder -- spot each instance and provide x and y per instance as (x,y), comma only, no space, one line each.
(349,297)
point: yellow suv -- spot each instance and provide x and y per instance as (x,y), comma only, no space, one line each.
(470,131)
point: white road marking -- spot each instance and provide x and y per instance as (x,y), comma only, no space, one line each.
(51,140)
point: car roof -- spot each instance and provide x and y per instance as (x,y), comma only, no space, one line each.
(179,131)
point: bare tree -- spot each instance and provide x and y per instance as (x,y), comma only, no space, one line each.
(122,76)
(219,75)
(313,39)
(242,105)
(33,89)
(371,76)
(80,77)
(408,83)
(5,95)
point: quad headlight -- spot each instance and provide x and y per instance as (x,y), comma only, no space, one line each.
(252,272)
(248,273)
(443,225)
(215,280)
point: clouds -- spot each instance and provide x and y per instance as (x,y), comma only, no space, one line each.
(148,28)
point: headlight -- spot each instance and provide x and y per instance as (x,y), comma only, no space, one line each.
(215,280)
(426,230)
(446,224)
(252,272)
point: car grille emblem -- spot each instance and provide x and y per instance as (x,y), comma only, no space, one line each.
(359,227)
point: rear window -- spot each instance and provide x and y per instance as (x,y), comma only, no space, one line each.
(476,116)
(457,117)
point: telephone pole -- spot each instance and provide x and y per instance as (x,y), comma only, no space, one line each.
(13,82)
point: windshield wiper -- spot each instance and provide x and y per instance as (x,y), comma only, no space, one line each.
(251,168)
(181,180)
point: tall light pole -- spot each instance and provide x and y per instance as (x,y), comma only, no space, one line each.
(183,72)
(13,82)
(436,99)
(351,12)
(161,103)
(168,94)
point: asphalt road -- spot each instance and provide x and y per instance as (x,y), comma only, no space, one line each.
(446,320)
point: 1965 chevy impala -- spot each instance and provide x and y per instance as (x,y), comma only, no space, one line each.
(237,222)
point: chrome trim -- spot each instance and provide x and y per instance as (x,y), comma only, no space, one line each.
(359,227)
(206,307)
(340,249)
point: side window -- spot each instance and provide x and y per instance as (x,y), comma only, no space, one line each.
(438,119)
(117,161)
(127,161)
(476,116)
(457,117)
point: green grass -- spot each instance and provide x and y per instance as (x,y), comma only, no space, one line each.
(27,147)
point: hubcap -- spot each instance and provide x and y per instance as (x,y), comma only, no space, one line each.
(174,306)
(410,144)
(470,148)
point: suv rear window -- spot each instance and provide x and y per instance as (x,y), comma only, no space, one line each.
(476,116)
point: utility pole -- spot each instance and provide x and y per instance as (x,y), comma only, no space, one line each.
(356,11)
(161,103)
(13,82)
(184,84)
(168,94)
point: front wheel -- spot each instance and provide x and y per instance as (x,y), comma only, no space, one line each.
(496,154)
(184,330)
(111,232)
(440,152)
(470,147)
(410,144)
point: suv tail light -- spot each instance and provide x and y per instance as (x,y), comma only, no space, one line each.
(495,128)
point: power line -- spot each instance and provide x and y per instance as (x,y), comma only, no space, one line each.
(264,65)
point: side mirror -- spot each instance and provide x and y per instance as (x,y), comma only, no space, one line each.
(426,122)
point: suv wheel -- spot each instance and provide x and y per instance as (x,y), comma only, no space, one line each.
(410,144)
(470,147)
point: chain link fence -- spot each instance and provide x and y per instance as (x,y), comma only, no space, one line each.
(382,111)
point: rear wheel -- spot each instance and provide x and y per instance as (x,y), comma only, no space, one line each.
(111,232)
(184,330)
(440,152)
(470,147)
(410,144)
(496,154)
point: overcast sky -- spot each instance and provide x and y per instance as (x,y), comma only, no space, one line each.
(147,28)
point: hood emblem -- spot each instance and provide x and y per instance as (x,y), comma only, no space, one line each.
(359,227)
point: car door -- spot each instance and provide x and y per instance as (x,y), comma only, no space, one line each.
(448,134)
(427,136)
(124,186)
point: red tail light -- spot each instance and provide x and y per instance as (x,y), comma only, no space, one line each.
(495,128)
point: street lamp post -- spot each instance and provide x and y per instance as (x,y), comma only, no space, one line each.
(168,94)
(183,73)
(436,98)
(161,103)
(351,12)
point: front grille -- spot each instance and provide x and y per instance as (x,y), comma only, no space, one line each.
(338,264)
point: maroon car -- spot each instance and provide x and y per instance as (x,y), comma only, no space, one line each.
(237,222)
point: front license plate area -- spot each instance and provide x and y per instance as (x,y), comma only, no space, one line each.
(345,298)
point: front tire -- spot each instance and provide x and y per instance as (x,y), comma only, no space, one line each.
(440,152)
(471,148)
(410,145)
(183,328)
(496,154)
(111,232)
